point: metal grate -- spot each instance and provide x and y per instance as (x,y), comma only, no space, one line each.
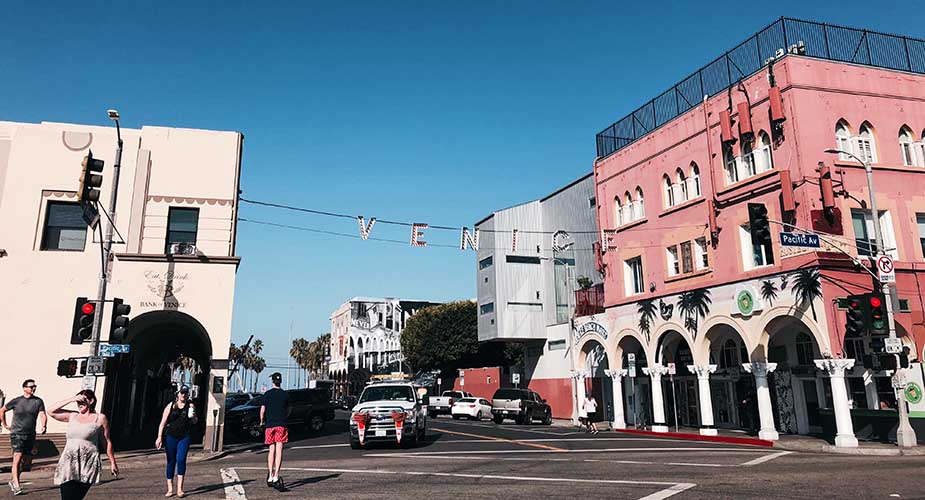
(822,41)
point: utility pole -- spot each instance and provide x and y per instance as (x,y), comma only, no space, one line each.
(107,244)
(905,435)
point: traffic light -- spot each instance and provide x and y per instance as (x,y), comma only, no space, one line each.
(855,326)
(67,368)
(758,223)
(877,314)
(118,328)
(90,181)
(84,316)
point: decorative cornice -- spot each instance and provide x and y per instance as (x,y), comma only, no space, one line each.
(702,371)
(190,200)
(834,367)
(190,259)
(48,193)
(655,371)
(759,369)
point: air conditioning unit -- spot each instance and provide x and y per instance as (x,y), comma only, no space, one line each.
(183,249)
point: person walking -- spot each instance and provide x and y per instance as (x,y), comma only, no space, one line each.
(26,409)
(591,410)
(179,417)
(79,466)
(273,413)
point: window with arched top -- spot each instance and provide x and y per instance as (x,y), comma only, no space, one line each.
(921,150)
(617,211)
(804,347)
(669,192)
(729,161)
(729,356)
(694,181)
(866,149)
(628,208)
(747,166)
(763,161)
(639,207)
(681,181)
(843,140)
(907,147)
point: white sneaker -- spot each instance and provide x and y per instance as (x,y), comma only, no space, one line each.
(17,489)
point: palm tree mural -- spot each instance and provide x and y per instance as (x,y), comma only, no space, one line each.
(807,287)
(694,305)
(768,291)
(647,311)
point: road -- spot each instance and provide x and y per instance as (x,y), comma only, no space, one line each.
(463,459)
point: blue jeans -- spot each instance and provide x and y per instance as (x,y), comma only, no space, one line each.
(177,448)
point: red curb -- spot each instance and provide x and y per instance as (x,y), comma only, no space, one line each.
(698,437)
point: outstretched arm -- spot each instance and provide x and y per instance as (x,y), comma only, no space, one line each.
(58,413)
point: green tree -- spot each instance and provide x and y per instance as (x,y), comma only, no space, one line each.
(298,352)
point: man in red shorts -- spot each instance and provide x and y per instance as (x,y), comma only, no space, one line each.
(273,413)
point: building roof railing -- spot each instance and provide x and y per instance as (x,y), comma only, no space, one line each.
(820,40)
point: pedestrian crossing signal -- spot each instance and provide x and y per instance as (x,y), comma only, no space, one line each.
(67,368)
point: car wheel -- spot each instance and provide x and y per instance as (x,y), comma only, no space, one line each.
(528,418)
(497,419)
(478,416)
(355,444)
(432,414)
(456,417)
(548,419)
(254,432)
(411,442)
(315,424)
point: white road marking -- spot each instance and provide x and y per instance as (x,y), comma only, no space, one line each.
(518,429)
(234,490)
(672,487)
(306,447)
(766,458)
(587,450)
(496,459)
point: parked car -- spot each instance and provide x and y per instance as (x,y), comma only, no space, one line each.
(388,411)
(443,404)
(472,408)
(310,409)
(345,402)
(235,399)
(522,405)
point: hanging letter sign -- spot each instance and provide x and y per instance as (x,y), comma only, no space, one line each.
(365,229)
(417,232)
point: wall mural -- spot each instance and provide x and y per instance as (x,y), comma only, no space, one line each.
(646,310)
(807,287)
(665,310)
(769,291)
(786,409)
(693,306)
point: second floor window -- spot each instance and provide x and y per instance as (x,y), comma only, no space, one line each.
(754,256)
(487,308)
(486,262)
(65,228)
(865,237)
(182,226)
(633,276)
(920,220)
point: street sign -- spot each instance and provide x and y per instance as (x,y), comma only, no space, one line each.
(94,365)
(631,371)
(88,382)
(631,357)
(893,346)
(671,369)
(110,350)
(439,381)
(515,378)
(885,270)
(799,240)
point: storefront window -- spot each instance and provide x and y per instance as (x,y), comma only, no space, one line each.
(858,394)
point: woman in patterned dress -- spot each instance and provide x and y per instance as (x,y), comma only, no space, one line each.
(79,466)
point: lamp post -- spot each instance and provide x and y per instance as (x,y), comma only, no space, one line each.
(905,435)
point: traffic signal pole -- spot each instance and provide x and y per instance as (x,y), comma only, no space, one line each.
(107,247)
(905,435)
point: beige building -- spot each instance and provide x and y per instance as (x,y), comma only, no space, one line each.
(175,264)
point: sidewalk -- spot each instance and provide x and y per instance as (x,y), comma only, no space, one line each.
(788,442)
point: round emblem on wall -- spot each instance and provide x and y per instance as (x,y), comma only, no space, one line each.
(745,302)
(913,392)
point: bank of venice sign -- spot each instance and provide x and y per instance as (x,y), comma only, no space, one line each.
(746,302)
(590,327)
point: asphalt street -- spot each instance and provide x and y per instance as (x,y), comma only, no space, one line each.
(462,459)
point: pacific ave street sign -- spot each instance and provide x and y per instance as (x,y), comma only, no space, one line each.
(799,240)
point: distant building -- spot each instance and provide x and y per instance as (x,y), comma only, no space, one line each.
(365,335)
(530,259)
(175,265)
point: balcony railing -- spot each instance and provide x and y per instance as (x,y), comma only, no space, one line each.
(820,40)
(589,301)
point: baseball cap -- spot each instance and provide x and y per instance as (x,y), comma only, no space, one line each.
(277,378)
(184,389)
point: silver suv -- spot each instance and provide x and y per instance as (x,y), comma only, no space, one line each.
(388,411)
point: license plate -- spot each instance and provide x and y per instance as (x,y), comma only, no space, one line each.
(380,433)
(505,412)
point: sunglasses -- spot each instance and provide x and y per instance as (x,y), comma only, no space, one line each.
(33,387)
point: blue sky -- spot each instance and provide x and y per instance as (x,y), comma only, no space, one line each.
(420,111)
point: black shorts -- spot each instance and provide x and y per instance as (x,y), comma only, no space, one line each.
(591,416)
(22,443)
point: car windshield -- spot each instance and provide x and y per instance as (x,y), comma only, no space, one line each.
(256,401)
(452,394)
(467,400)
(508,394)
(387,393)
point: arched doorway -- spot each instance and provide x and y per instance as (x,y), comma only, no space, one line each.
(798,388)
(167,349)
(636,389)
(732,389)
(680,391)
(596,383)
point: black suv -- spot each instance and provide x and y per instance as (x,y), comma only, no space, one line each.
(311,408)
(522,405)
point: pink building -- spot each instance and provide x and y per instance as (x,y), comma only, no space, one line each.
(754,334)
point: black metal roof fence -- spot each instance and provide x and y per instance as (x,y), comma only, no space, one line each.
(820,40)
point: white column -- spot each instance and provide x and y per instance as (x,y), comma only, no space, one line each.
(706,398)
(655,373)
(835,369)
(616,377)
(579,378)
(765,410)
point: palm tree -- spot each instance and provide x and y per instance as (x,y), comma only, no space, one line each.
(807,287)
(769,291)
(258,366)
(646,310)
(298,352)
(694,305)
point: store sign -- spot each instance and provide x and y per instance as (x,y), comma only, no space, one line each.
(163,286)
(746,302)
(590,327)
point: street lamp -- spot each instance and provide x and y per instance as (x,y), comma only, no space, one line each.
(905,435)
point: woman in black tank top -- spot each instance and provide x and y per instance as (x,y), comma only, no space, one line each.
(178,419)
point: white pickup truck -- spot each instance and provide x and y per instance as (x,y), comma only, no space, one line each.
(444,402)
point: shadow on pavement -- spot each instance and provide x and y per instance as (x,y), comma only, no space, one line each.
(310,480)
(215,487)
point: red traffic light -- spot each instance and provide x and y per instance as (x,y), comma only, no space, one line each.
(88,308)
(854,304)
(875,302)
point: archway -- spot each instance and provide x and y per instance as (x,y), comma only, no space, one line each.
(798,388)
(636,388)
(594,362)
(167,349)
(680,390)
(732,389)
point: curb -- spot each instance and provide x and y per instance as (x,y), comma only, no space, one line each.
(698,437)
